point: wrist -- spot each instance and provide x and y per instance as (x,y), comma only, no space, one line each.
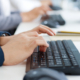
(1,41)
(4,40)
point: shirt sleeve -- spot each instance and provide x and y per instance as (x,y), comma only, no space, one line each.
(10,22)
(1,57)
(1,51)
(4,32)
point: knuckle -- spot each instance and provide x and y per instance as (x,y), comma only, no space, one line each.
(40,26)
(41,37)
(35,42)
(23,36)
(35,33)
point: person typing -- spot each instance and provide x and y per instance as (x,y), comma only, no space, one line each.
(12,20)
(17,48)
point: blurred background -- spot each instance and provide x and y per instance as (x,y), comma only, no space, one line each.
(64,13)
(27,5)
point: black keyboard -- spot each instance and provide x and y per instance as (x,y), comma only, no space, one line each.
(55,8)
(60,55)
(54,21)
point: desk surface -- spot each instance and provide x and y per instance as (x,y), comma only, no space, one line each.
(18,71)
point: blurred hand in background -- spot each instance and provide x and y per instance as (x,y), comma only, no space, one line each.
(33,14)
(46,2)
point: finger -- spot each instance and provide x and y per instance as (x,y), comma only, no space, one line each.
(45,30)
(42,12)
(48,28)
(31,34)
(42,48)
(37,38)
(40,43)
(47,8)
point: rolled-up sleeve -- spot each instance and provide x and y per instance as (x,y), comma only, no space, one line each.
(1,51)
(10,22)
(1,57)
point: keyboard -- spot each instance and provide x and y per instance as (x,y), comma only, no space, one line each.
(54,21)
(55,8)
(60,55)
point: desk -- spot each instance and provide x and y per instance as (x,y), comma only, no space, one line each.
(18,71)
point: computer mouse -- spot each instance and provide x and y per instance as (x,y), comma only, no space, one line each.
(49,23)
(44,74)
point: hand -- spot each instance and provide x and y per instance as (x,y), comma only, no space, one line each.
(40,29)
(43,29)
(21,47)
(46,2)
(33,14)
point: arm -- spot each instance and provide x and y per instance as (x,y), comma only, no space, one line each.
(23,45)
(40,29)
(9,22)
(13,20)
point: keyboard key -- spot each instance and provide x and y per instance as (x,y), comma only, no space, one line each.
(64,56)
(58,62)
(53,46)
(49,53)
(42,56)
(60,45)
(49,48)
(74,62)
(56,55)
(68,49)
(35,56)
(55,52)
(63,52)
(71,56)
(43,63)
(36,49)
(34,64)
(50,57)
(67,62)
(65,44)
(50,63)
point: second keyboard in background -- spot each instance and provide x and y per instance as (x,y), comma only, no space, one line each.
(54,21)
